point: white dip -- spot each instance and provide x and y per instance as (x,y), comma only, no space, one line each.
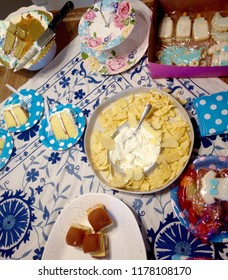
(136,152)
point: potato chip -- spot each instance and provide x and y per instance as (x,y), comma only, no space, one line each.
(138,173)
(163,110)
(129,174)
(156,123)
(118,182)
(122,103)
(132,119)
(170,143)
(145,186)
(107,142)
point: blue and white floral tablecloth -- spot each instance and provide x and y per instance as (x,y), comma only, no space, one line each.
(38,182)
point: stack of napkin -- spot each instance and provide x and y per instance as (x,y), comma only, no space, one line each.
(212,113)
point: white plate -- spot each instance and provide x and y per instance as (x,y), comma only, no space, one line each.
(95,125)
(125,239)
(128,53)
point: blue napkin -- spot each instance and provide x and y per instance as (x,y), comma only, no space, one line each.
(212,113)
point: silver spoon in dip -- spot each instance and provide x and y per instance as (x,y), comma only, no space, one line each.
(144,115)
(134,147)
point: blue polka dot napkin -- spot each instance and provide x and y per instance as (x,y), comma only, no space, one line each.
(212,113)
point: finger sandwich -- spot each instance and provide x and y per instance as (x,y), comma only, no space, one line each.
(76,234)
(96,244)
(99,217)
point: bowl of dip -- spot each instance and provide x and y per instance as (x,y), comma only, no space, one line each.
(141,150)
(155,157)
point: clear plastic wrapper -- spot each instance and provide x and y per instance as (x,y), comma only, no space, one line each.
(193,39)
(202,194)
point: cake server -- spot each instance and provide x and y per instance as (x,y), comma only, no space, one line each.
(46,37)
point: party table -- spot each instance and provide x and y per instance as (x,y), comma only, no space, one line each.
(37,183)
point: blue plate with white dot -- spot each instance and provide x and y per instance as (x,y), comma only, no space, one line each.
(7,148)
(50,141)
(35,109)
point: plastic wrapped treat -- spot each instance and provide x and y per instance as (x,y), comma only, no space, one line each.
(200,29)
(219,53)
(219,30)
(202,199)
(183,28)
(165,31)
(219,23)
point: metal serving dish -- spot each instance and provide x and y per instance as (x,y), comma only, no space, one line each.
(95,125)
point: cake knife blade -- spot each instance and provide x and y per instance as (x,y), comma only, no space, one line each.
(46,37)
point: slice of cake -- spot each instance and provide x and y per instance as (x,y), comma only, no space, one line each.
(9,37)
(15,115)
(2,143)
(76,234)
(96,244)
(9,42)
(63,125)
(19,48)
(15,40)
(99,217)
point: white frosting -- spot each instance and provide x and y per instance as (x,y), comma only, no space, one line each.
(35,14)
(136,152)
(200,29)
(219,54)
(220,23)
(219,37)
(183,29)
(165,31)
(213,187)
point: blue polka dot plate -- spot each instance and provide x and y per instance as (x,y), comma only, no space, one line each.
(35,109)
(212,113)
(216,163)
(50,141)
(7,148)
